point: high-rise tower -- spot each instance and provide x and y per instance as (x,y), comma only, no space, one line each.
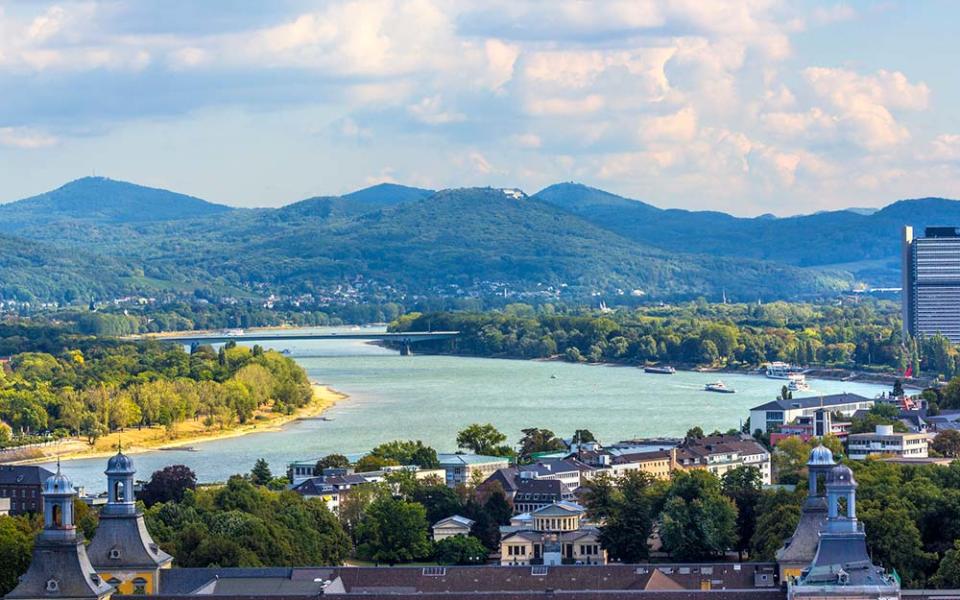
(931,282)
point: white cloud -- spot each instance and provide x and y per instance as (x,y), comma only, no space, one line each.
(836,13)
(680,126)
(25,138)
(431,111)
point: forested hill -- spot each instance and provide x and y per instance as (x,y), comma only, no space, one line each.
(825,238)
(99,238)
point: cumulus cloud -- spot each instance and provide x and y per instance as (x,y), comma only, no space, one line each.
(25,138)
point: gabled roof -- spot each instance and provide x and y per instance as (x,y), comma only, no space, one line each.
(659,581)
(455,520)
(560,509)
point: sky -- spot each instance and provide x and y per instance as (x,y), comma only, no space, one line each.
(743,106)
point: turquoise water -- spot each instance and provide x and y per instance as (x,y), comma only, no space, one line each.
(432,397)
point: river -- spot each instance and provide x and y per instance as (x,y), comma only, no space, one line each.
(430,398)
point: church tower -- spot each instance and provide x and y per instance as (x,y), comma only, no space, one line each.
(842,568)
(798,551)
(123,552)
(60,567)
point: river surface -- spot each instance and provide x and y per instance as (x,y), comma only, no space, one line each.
(430,398)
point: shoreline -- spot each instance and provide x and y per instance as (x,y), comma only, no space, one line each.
(324,398)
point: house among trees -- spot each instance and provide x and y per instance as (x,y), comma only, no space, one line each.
(552,535)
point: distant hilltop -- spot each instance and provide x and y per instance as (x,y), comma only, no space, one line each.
(388,242)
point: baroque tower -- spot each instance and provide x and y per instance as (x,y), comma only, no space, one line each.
(123,552)
(60,567)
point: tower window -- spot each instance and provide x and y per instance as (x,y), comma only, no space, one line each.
(57,516)
(118,491)
(140,586)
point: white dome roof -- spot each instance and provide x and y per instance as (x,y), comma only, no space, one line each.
(820,456)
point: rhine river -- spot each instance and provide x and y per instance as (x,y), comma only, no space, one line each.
(430,398)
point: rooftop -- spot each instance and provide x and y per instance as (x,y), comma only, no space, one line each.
(468,459)
(812,402)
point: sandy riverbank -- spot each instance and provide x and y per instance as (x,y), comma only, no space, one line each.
(183,434)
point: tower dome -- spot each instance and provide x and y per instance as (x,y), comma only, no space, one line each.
(120,463)
(841,475)
(820,456)
(58,485)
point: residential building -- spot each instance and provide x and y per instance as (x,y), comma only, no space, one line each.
(658,463)
(721,453)
(886,441)
(570,471)
(533,494)
(23,485)
(770,416)
(301,470)
(931,282)
(554,534)
(465,468)
(451,526)
(123,553)
(808,427)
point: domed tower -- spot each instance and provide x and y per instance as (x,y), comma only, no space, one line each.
(123,552)
(797,552)
(842,566)
(60,567)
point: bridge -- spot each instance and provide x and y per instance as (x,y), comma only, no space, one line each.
(403,339)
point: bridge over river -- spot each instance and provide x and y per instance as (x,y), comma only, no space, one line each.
(403,339)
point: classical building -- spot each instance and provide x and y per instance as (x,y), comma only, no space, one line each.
(451,526)
(551,535)
(122,551)
(60,567)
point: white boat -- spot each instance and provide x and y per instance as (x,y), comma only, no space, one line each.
(798,383)
(718,387)
(233,332)
(779,370)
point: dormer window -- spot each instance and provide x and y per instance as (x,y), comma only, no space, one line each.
(115,553)
(53,585)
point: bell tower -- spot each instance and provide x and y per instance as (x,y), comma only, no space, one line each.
(123,552)
(60,567)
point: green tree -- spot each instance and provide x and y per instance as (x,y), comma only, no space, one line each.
(408,453)
(538,440)
(694,433)
(948,572)
(439,501)
(260,474)
(393,531)
(460,550)
(777,515)
(483,439)
(16,545)
(743,485)
(947,443)
(697,521)
(627,529)
(331,461)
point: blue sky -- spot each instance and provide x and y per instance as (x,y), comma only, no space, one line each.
(747,106)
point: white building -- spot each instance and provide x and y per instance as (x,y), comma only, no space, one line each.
(884,441)
(777,412)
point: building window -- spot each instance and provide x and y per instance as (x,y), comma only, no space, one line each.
(140,586)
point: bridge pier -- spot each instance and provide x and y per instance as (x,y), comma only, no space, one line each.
(405,349)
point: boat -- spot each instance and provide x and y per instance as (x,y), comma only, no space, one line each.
(285,352)
(553,377)
(719,387)
(664,370)
(798,383)
(779,370)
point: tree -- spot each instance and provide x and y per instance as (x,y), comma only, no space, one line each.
(460,550)
(948,573)
(393,531)
(169,483)
(373,463)
(947,443)
(16,546)
(331,461)
(483,439)
(439,501)
(408,453)
(742,485)
(583,436)
(777,515)
(538,440)
(694,433)
(630,523)
(697,521)
(260,474)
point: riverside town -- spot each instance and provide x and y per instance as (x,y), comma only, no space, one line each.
(463,300)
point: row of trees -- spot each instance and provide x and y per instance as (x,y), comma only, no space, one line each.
(91,387)
(863,335)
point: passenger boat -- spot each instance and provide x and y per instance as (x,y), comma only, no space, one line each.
(798,383)
(779,370)
(661,370)
(719,387)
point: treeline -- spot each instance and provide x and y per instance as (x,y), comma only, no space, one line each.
(84,386)
(865,335)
